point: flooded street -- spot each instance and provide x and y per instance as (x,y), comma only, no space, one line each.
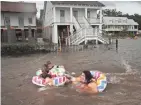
(123,67)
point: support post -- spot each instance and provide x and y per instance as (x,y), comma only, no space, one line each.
(54,14)
(86,13)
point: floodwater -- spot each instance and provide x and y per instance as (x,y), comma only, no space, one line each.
(123,68)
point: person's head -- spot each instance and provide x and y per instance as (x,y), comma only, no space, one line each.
(86,76)
(49,64)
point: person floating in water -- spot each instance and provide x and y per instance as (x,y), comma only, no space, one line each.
(50,74)
(92,81)
(51,70)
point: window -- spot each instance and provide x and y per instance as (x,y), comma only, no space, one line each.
(62,13)
(7,21)
(136,27)
(21,21)
(111,21)
(119,21)
(30,20)
(88,14)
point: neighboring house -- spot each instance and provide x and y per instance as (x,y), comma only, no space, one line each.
(19,16)
(118,24)
(72,22)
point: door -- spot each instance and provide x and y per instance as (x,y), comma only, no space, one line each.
(21,22)
(62,16)
(75,14)
(88,16)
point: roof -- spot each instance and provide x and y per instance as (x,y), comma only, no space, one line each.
(87,3)
(18,7)
(118,21)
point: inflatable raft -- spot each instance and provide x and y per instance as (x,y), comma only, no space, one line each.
(57,74)
(56,81)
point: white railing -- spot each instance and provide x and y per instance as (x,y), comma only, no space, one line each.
(90,20)
(87,24)
(76,23)
(80,20)
(90,31)
(84,33)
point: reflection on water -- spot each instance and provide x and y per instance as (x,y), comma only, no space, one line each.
(122,68)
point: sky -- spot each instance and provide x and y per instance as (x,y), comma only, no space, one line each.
(129,7)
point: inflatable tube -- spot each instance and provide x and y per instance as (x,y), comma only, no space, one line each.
(39,81)
(57,71)
(57,81)
(101,82)
(39,72)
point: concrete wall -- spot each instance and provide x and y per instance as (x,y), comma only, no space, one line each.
(14,18)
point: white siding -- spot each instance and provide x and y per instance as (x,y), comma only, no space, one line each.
(67,14)
(93,13)
(26,22)
(48,14)
(47,32)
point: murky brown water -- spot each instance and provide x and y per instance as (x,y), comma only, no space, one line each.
(123,67)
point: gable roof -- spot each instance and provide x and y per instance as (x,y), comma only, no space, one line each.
(118,21)
(18,7)
(87,3)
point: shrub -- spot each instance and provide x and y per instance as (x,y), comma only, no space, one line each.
(22,49)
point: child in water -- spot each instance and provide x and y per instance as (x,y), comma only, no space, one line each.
(51,70)
(92,81)
(45,70)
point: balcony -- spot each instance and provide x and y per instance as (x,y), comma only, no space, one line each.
(119,29)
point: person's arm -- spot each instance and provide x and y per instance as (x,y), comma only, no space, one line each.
(75,80)
(90,88)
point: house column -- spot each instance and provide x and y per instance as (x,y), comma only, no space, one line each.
(54,14)
(86,13)
(71,25)
(55,34)
(100,26)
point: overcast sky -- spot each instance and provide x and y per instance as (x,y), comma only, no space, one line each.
(129,7)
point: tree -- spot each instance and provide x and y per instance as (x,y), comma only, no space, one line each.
(38,22)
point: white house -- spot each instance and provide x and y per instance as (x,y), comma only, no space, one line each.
(73,22)
(117,24)
(19,16)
